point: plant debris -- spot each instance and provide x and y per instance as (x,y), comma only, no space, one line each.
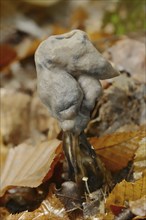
(33,180)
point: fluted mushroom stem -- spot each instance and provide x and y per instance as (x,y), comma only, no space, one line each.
(85,168)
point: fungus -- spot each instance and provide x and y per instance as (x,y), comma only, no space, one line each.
(68,71)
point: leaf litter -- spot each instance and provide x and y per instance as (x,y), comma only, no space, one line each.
(129,191)
(118,116)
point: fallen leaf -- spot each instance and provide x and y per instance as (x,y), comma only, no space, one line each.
(139,218)
(27,48)
(14,116)
(116,150)
(51,208)
(3,213)
(108,216)
(43,3)
(27,165)
(9,11)
(94,36)
(122,103)
(3,153)
(140,160)
(7,55)
(57,29)
(116,210)
(125,192)
(41,120)
(78,17)
(30,50)
(138,207)
(131,57)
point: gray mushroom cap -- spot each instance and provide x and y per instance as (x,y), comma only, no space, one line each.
(68,70)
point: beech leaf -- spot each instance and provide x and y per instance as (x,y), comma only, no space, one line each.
(51,208)
(116,150)
(140,160)
(126,191)
(27,165)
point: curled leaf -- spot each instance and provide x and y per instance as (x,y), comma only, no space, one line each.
(27,165)
(116,150)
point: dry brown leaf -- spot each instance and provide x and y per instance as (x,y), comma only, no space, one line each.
(27,48)
(126,191)
(140,160)
(27,165)
(14,117)
(139,218)
(3,153)
(41,2)
(7,55)
(56,29)
(31,49)
(122,103)
(78,17)
(138,207)
(108,216)
(94,36)
(23,49)
(3,213)
(51,208)
(116,150)
(41,120)
(102,40)
(131,57)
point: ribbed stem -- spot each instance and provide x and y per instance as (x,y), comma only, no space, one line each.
(85,167)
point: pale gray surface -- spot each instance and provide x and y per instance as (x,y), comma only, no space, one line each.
(68,69)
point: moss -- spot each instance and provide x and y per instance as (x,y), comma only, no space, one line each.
(133,19)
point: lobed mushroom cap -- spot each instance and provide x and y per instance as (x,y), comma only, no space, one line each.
(68,70)
(74,53)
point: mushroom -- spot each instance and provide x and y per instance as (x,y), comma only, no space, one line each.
(68,71)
